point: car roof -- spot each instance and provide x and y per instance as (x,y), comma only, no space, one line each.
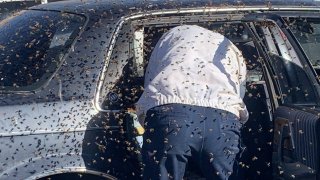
(125,7)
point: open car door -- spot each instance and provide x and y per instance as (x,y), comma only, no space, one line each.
(295,101)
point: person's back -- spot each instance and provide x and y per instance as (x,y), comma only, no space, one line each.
(192,99)
(192,65)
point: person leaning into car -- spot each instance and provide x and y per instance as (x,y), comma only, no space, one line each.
(192,104)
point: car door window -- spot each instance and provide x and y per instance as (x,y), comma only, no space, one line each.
(307,32)
(32,45)
(295,84)
(122,83)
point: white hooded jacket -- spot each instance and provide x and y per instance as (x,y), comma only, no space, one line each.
(195,66)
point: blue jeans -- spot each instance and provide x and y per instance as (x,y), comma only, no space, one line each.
(175,132)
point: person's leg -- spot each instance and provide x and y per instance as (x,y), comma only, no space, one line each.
(164,148)
(221,145)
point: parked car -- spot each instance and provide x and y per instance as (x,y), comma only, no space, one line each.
(71,72)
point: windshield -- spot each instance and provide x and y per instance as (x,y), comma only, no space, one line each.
(32,44)
(307,32)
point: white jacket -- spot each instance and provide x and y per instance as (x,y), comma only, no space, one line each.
(193,65)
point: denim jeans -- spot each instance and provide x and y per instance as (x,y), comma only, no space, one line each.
(176,132)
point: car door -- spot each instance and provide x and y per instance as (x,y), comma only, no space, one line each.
(296,144)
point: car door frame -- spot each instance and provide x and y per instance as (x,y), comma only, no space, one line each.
(284,120)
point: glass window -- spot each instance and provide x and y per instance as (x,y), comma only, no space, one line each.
(307,32)
(295,85)
(32,44)
(122,86)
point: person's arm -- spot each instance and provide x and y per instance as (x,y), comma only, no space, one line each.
(242,70)
(242,77)
(242,73)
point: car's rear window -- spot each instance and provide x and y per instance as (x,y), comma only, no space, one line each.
(32,45)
